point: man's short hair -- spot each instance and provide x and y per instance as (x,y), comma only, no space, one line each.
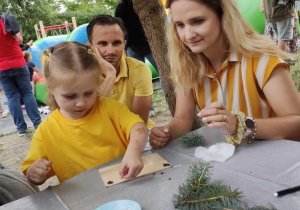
(104,20)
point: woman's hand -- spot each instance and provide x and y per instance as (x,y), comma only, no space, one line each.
(159,136)
(217,116)
(38,171)
(131,165)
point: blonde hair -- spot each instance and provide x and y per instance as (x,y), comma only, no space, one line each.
(65,58)
(188,68)
(26,55)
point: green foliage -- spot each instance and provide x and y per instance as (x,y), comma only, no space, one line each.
(54,12)
(110,4)
(28,13)
(82,16)
(192,139)
(295,72)
(200,193)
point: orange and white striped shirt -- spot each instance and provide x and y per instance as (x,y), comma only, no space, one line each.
(239,85)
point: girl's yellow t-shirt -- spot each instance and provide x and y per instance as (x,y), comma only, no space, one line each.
(75,146)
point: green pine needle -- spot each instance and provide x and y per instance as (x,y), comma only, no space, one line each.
(192,139)
(200,193)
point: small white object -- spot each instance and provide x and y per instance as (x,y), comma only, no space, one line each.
(276,194)
(44,110)
(219,152)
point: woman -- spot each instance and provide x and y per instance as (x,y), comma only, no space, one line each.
(220,64)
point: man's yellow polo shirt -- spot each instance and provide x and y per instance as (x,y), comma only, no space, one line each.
(134,79)
(75,146)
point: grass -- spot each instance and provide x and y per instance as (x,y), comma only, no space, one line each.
(1,149)
(7,134)
(159,103)
(295,72)
(29,134)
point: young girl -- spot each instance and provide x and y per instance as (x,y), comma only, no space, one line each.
(220,64)
(32,68)
(85,130)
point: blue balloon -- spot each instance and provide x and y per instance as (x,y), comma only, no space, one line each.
(79,35)
(49,41)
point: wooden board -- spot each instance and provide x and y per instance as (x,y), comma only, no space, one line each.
(152,163)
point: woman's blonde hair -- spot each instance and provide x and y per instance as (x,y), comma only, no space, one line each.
(65,58)
(188,68)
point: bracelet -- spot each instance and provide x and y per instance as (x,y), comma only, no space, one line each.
(251,136)
(237,138)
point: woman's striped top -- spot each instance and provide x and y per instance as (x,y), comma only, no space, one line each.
(239,85)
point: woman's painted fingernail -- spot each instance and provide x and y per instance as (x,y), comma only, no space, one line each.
(199,114)
(210,125)
(204,119)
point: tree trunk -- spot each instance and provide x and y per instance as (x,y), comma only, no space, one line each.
(153,17)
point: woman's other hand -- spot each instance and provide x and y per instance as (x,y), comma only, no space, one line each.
(159,136)
(217,116)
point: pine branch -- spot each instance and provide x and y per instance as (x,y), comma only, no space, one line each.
(192,139)
(198,184)
(200,193)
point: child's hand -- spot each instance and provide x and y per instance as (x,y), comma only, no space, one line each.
(38,171)
(131,165)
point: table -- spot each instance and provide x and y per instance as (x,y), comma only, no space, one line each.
(258,170)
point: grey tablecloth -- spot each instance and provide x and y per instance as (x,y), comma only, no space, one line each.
(258,170)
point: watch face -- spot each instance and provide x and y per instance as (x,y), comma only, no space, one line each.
(249,123)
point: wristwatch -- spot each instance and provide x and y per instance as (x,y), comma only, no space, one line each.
(250,129)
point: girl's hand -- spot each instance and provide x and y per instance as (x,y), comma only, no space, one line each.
(106,68)
(159,136)
(38,171)
(131,165)
(217,116)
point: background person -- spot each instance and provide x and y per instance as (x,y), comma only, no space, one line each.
(85,130)
(25,47)
(14,74)
(229,73)
(292,45)
(137,45)
(280,15)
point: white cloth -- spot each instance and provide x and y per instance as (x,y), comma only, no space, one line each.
(219,152)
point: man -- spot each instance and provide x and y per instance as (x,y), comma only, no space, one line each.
(279,13)
(14,74)
(127,80)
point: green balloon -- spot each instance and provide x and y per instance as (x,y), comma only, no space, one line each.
(250,10)
(154,73)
